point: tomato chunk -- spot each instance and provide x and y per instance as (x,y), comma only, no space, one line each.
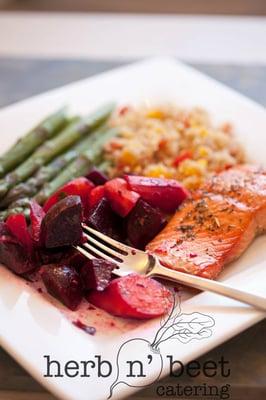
(122,199)
(166,194)
(17,225)
(96,195)
(77,187)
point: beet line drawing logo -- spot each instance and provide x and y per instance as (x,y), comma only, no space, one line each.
(175,326)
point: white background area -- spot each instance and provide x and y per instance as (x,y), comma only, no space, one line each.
(212,39)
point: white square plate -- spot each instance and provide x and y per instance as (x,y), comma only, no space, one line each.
(31,325)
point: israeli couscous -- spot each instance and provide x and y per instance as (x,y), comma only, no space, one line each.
(171,142)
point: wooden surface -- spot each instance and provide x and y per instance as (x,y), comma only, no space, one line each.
(246,353)
(239,7)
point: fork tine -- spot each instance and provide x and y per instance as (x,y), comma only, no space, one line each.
(99,253)
(107,239)
(84,252)
(102,246)
(126,258)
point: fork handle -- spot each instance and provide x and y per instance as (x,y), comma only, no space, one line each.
(207,285)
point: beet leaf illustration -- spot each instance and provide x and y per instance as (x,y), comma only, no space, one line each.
(147,368)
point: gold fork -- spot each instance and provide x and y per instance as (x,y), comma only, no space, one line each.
(131,260)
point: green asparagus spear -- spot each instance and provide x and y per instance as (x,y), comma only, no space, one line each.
(52,148)
(43,175)
(23,202)
(104,165)
(47,129)
(80,166)
(22,205)
(35,183)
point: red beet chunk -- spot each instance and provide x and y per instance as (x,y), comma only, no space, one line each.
(122,199)
(96,274)
(166,194)
(87,329)
(61,225)
(53,256)
(36,216)
(77,187)
(143,224)
(133,296)
(97,177)
(17,225)
(76,259)
(12,254)
(103,219)
(96,195)
(63,282)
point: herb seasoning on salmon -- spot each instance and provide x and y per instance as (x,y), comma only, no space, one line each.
(216,225)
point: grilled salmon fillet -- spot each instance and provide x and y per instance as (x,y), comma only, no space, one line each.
(215,225)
